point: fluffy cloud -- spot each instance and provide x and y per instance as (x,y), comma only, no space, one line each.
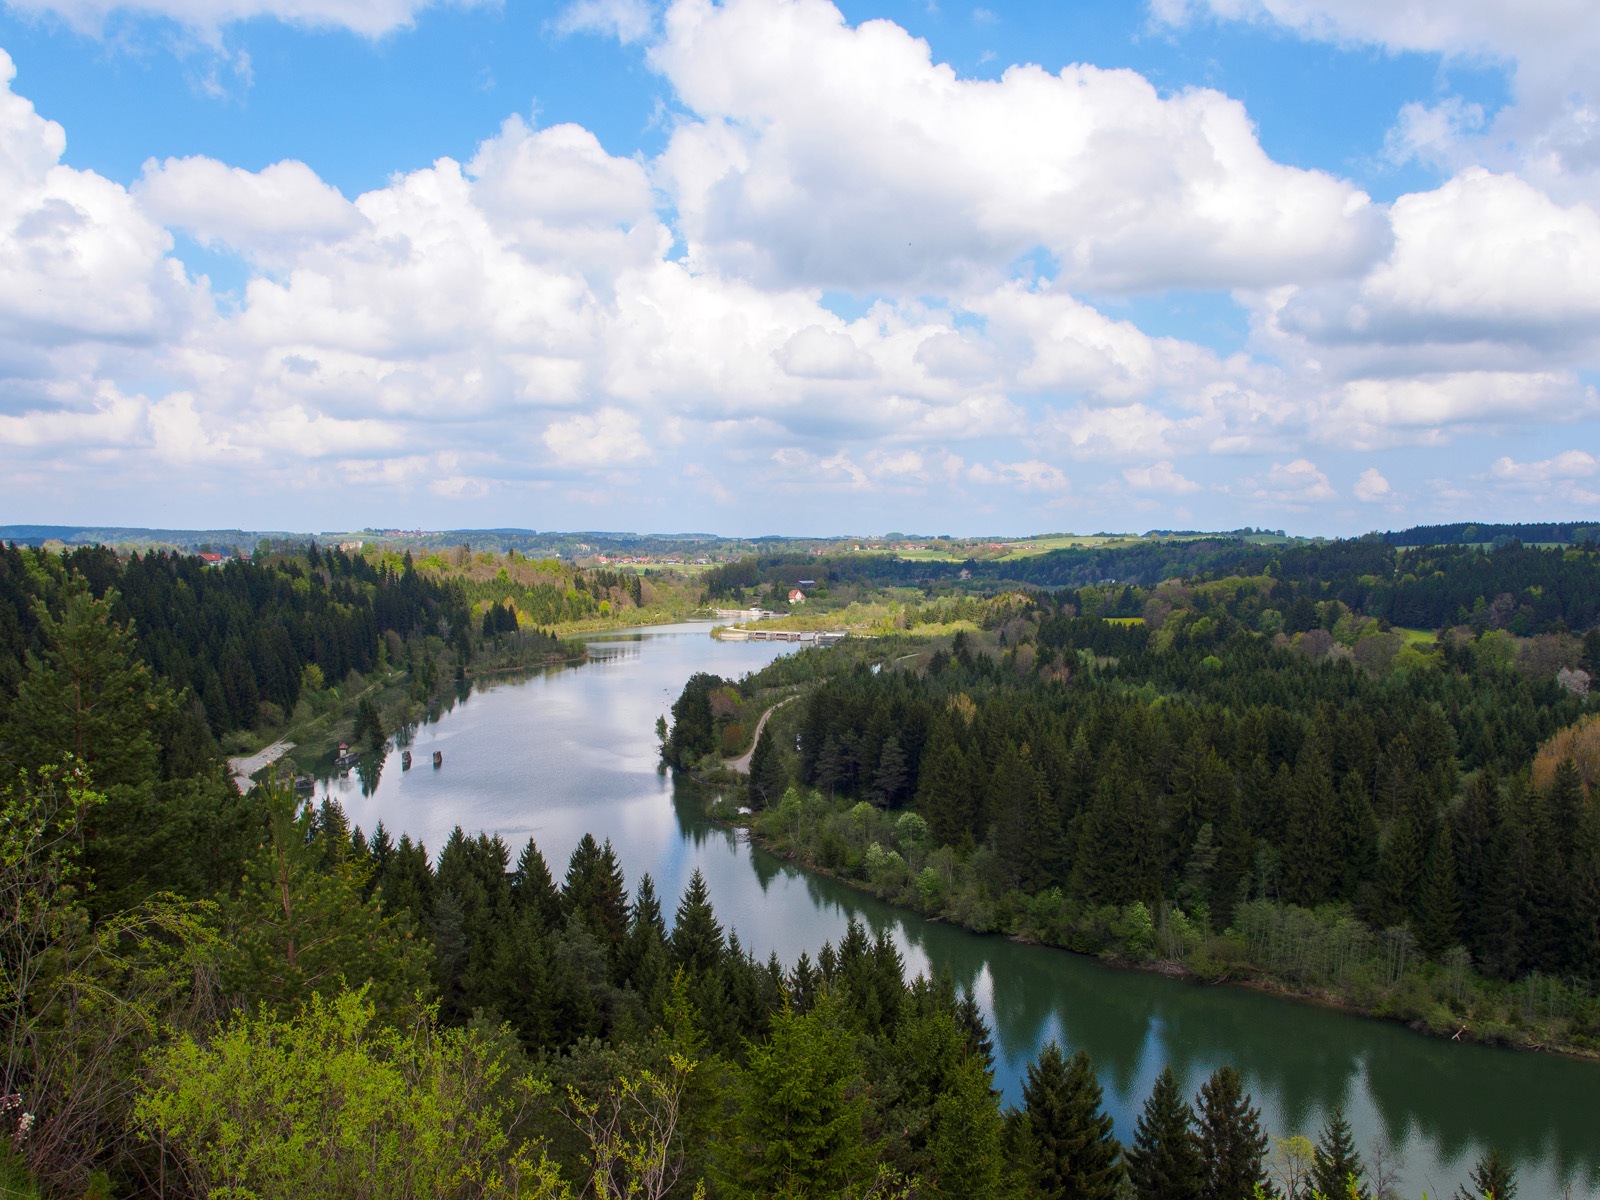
(264,214)
(1159,477)
(625,20)
(829,155)
(79,261)
(1567,478)
(609,437)
(1372,486)
(1292,485)
(1551,130)
(1570,464)
(531,315)
(1485,264)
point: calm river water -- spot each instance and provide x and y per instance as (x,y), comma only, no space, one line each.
(573,750)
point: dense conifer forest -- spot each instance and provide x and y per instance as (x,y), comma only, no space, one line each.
(203,992)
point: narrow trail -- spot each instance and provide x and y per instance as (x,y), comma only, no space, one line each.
(742,763)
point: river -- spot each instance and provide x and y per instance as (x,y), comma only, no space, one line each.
(572,750)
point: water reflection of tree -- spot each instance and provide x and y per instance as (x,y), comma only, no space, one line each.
(369,769)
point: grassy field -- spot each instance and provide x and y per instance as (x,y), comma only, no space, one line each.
(1007,549)
(1415,637)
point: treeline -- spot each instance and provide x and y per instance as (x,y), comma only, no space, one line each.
(1468,532)
(1524,589)
(237,636)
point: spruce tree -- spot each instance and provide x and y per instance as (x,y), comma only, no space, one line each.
(1311,847)
(889,781)
(1231,1140)
(1076,1156)
(944,792)
(533,890)
(696,941)
(1164,1160)
(594,892)
(965,1141)
(1336,1164)
(1493,1178)
(801,1123)
(1439,918)
(767,776)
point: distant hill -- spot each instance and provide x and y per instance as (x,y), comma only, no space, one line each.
(1469,533)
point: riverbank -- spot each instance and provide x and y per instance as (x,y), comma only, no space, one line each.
(1444,1000)
(325,717)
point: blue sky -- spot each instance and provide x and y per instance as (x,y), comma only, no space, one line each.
(796,266)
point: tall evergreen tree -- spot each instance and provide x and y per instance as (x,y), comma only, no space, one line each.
(1076,1155)
(1311,847)
(1336,1164)
(767,776)
(696,940)
(1164,1160)
(533,890)
(1231,1140)
(945,791)
(965,1141)
(1493,1178)
(595,893)
(1439,908)
(800,1131)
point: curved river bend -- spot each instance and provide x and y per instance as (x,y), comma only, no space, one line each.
(573,750)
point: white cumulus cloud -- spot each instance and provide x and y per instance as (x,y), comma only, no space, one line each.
(829,155)
(1372,486)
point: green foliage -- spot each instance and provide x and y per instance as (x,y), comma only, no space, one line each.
(1075,1155)
(81,998)
(1164,1161)
(801,1133)
(333,1103)
(301,924)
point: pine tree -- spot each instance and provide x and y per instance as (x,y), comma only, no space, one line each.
(767,776)
(944,793)
(1231,1140)
(88,695)
(965,1141)
(533,889)
(1493,1178)
(889,780)
(1164,1160)
(1022,835)
(696,942)
(1357,839)
(975,1030)
(1076,1156)
(298,929)
(1336,1164)
(594,892)
(1310,848)
(643,964)
(801,1123)
(1399,872)
(1439,918)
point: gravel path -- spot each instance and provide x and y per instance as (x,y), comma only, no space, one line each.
(742,763)
(243,768)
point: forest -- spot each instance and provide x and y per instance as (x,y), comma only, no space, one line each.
(1251,775)
(208,993)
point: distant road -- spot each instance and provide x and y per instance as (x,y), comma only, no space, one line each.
(243,768)
(742,763)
